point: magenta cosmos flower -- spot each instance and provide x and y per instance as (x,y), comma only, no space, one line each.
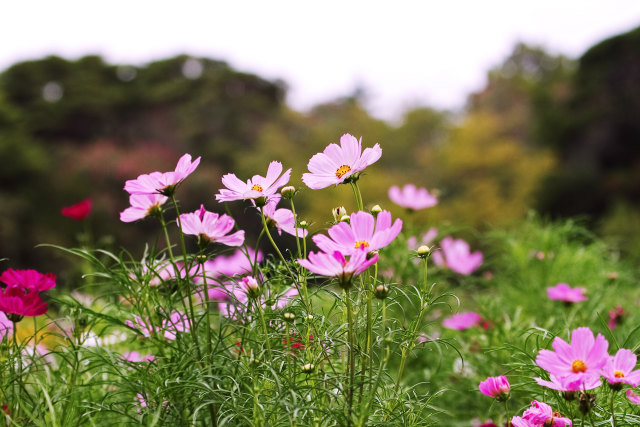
(362,232)
(256,187)
(29,279)
(162,182)
(497,387)
(564,292)
(412,197)
(569,384)
(339,162)
(282,219)
(633,397)
(143,205)
(455,255)
(17,301)
(211,227)
(541,414)
(580,360)
(78,211)
(337,265)
(619,368)
(462,321)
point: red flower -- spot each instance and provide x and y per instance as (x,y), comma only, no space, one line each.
(18,301)
(79,211)
(28,279)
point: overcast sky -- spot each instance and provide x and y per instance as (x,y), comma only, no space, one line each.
(405,53)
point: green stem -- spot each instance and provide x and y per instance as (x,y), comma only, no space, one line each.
(357,195)
(264,328)
(352,359)
(16,352)
(295,224)
(613,415)
(506,411)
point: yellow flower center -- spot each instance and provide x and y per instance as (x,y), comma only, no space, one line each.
(342,170)
(618,374)
(257,187)
(361,243)
(578,366)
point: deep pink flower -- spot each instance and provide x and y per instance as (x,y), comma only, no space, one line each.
(633,397)
(582,359)
(162,182)
(211,227)
(337,163)
(455,255)
(541,414)
(78,211)
(29,279)
(412,197)
(256,187)
(495,387)
(363,232)
(564,292)
(616,316)
(17,300)
(282,219)
(462,321)
(336,265)
(619,368)
(142,205)
(570,384)
(521,422)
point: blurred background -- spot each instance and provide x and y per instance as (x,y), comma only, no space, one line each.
(500,108)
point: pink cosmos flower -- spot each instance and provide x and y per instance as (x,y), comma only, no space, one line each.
(412,197)
(78,211)
(564,292)
(162,183)
(427,238)
(521,422)
(580,360)
(337,163)
(256,187)
(19,301)
(495,387)
(616,317)
(462,321)
(229,266)
(633,397)
(29,279)
(282,219)
(142,205)
(140,324)
(177,322)
(6,326)
(619,368)
(541,414)
(568,384)
(363,232)
(455,255)
(211,227)
(336,265)
(134,356)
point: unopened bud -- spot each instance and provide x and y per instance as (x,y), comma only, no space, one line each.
(201,258)
(303,224)
(288,192)
(371,254)
(260,201)
(251,285)
(376,210)
(310,317)
(289,316)
(381,291)
(423,251)
(338,213)
(345,218)
(308,368)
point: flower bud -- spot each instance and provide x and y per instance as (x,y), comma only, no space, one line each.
(423,251)
(303,224)
(338,213)
(376,210)
(251,285)
(345,218)
(289,316)
(308,368)
(381,291)
(288,192)
(260,201)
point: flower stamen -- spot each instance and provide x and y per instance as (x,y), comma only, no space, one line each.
(618,374)
(257,187)
(578,366)
(361,244)
(343,170)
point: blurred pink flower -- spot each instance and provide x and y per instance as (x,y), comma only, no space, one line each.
(256,187)
(6,326)
(282,219)
(633,397)
(19,301)
(462,321)
(569,384)
(497,387)
(619,368)
(580,360)
(616,316)
(411,197)
(142,205)
(229,266)
(336,265)
(337,163)
(541,414)
(455,255)
(134,356)
(162,182)
(211,227)
(363,232)
(140,324)
(521,422)
(78,211)
(564,292)
(29,279)
(177,322)
(427,238)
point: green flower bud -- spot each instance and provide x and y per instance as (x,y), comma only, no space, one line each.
(288,192)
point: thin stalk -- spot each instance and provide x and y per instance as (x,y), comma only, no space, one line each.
(613,415)
(16,351)
(352,359)
(357,195)
(264,328)
(506,410)
(295,224)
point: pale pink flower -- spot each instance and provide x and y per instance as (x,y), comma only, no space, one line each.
(283,299)
(462,321)
(256,187)
(497,387)
(229,266)
(177,322)
(6,326)
(412,197)
(426,239)
(363,232)
(541,414)
(581,359)
(620,368)
(564,292)
(521,422)
(455,255)
(336,265)
(134,356)
(142,205)
(162,182)
(633,397)
(29,279)
(140,324)
(570,384)
(337,163)
(211,227)
(282,219)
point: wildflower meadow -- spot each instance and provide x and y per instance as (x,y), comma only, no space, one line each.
(359,318)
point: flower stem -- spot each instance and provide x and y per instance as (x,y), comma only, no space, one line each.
(613,415)
(357,195)
(352,359)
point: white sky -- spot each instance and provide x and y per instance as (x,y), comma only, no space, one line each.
(405,53)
